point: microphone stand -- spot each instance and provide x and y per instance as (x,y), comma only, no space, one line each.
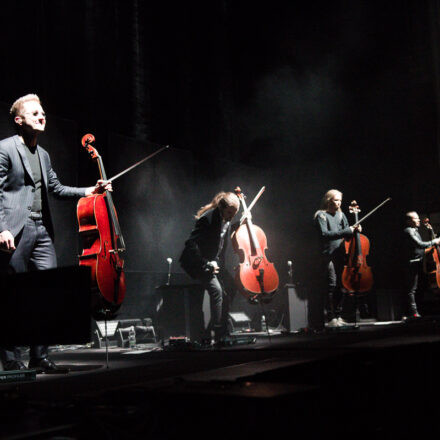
(290,272)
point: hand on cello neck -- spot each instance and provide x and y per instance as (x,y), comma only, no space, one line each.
(100,187)
(357,228)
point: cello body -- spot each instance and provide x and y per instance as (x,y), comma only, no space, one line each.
(431,262)
(255,276)
(108,278)
(357,276)
(434,275)
(248,274)
(102,244)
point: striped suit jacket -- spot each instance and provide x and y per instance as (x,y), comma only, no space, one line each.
(17,186)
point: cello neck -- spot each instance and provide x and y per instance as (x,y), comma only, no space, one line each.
(356,217)
(119,240)
(253,238)
(255,242)
(354,209)
(429,226)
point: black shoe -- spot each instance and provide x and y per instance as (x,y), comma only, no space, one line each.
(14,365)
(413,316)
(46,365)
(206,342)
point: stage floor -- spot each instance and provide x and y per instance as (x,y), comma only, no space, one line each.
(376,379)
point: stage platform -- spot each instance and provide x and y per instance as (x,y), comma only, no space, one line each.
(377,379)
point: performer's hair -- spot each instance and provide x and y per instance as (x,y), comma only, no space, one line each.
(18,104)
(326,200)
(223,200)
(327,197)
(408,215)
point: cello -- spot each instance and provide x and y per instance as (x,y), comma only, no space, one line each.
(431,260)
(357,276)
(102,244)
(255,276)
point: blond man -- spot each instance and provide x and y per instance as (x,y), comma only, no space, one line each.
(26,229)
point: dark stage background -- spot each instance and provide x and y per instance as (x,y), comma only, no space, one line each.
(299,98)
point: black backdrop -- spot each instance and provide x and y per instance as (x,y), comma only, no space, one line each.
(299,98)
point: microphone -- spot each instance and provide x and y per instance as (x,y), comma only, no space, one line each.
(290,271)
(169,260)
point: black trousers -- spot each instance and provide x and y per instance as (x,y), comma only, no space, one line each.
(415,284)
(333,266)
(34,251)
(220,302)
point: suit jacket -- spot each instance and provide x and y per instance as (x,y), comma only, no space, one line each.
(203,244)
(17,186)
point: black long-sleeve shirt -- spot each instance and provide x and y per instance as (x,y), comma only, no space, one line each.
(415,246)
(332,228)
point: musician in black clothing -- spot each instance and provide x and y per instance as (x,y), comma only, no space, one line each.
(332,225)
(415,250)
(203,257)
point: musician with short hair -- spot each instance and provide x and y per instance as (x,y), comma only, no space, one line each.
(203,257)
(26,230)
(415,251)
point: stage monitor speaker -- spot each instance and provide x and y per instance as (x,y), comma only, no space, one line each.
(297,309)
(47,307)
(240,322)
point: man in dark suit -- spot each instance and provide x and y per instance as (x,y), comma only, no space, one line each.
(26,230)
(203,257)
